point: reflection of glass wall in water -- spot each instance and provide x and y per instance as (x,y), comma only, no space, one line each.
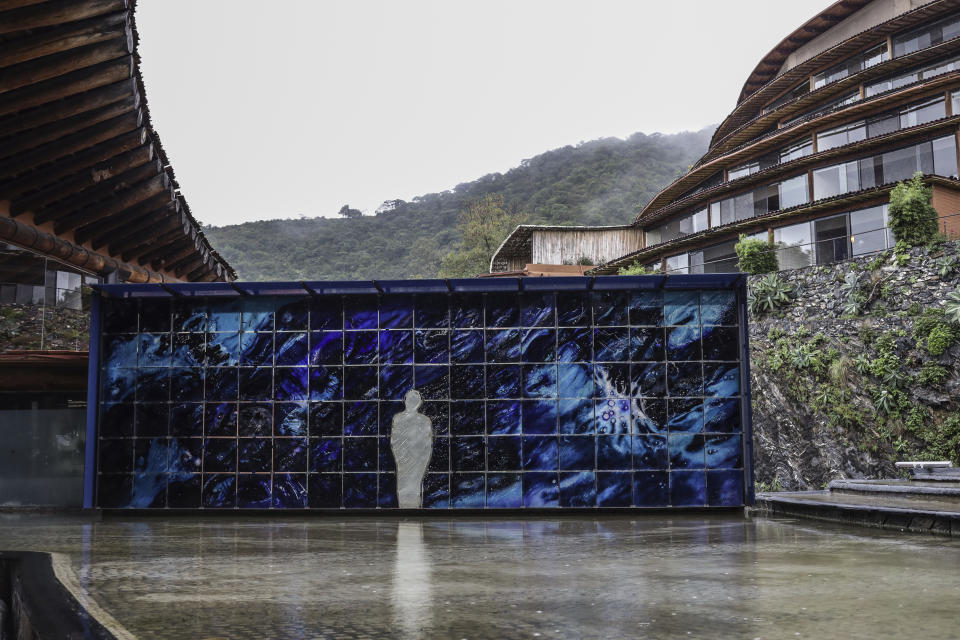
(41,460)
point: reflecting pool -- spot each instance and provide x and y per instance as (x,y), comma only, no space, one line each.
(657,576)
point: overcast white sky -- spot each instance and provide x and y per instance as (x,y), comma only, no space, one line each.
(295,107)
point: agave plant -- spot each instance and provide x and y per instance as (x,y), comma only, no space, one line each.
(951,310)
(946,265)
(768,293)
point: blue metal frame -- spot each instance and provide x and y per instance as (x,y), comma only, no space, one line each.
(93,385)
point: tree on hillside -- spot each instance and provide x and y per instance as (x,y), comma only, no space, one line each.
(347,212)
(912,217)
(483,225)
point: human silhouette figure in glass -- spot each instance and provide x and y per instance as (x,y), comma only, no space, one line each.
(411,440)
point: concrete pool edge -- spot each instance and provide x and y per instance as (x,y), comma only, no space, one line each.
(804,504)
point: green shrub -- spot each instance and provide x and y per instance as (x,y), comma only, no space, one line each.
(768,293)
(636,269)
(913,219)
(940,338)
(933,375)
(756,256)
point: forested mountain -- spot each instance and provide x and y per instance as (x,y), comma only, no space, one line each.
(593,183)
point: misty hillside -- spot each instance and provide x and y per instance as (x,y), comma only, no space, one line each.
(594,183)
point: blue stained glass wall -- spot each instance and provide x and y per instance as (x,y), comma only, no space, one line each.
(621,397)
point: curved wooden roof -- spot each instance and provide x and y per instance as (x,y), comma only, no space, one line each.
(82,170)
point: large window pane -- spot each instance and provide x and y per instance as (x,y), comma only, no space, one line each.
(867,231)
(839,136)
(794,246)
(832,239)
(926,36)
(945,156)
(699,220)
(720,258)
(793,192)
(921,113)
(678,264)
(832,181)
(899,164)
(882,125)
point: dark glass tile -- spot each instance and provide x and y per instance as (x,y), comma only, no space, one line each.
(721,379)
(433,382)
(466,310)
(360,454)
(541,490)
(646,343)
(612,380)
(503,310)
(293,315)
(573,309)
(725,488)
(613,415)
(651,488)
(119,351)
(539,345)
(255,419)
(649,380)
(685,415)
(431,311)
(326,347)
(503,417)
(114,492)
(185,455)
(155,316)
(116,420)
(467,491)
(360,347)
(387,463)
(721,415)
(578,452)
(718,307)
(359,383)
(578,489)
(219,455)
(189,350)
(219,420)
(614,452)
(539,381)
(611,345)
(255,455)
(681,307)
(256,349)
(360,490)
(539,416)
(724,452)
(575,345)
(360,312)
(436,491)
(183,491)
(396,312)
(686,451)
(222,384)
(504,491)
(289,491)
(186,385)
(685,379)
(186,420)
(395,381)
(649,416)
(149,491)
(325,491)
(290,454)
(466,346)
(439,414)
(688,488)
(387,491)
(467,381)
(118,385)
(257,314)
(503,345)
(503,381)
(153,384)
(683,343)
(650,452)
(256,383)
(223,349)
(150,455)
(467,453)
(615,489)
(116,456)
(326,313)
(219,491)
(151,420)
(440,458)
(326,419)
(575,381)
(467,418)
(537,309)
(253,492)
(388,411)
(223,315)
(503,453)
(360,419)
(396,347)
(576,416)
(610,308)
(119,316)
(292,349)
(326,383)
(326,454)
(540,453)
(290,419)
(721,343)
(646,308)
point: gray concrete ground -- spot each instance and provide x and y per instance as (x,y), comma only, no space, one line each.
(656,576)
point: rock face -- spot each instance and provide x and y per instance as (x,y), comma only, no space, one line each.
(847,377)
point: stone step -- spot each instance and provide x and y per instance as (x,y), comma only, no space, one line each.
(939,491)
